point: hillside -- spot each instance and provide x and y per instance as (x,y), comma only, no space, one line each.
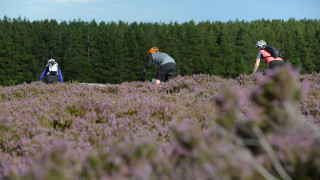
(192,127)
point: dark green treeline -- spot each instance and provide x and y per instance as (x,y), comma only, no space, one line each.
(115,52)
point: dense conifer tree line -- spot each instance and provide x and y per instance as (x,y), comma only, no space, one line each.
(116,52)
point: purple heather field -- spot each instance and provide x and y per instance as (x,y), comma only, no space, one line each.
(192,127)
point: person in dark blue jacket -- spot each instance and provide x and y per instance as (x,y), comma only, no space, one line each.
(52,72)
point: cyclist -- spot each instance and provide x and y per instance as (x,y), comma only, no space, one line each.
(52,72)
(273,62)
(166,65)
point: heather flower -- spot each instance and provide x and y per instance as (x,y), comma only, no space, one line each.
(278,97)
(192,127)
(229,106)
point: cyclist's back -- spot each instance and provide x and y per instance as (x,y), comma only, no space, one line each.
(159,59)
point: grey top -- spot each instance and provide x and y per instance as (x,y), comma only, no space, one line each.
(159,59)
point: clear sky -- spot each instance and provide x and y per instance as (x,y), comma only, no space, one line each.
(159,10)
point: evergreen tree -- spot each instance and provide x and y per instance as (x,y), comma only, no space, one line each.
(115,52)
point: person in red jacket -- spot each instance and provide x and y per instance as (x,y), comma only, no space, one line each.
(273,62)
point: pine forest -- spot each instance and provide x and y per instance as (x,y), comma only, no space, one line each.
(116,52)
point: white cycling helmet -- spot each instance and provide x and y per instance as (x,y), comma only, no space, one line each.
(51,60)
(261,44)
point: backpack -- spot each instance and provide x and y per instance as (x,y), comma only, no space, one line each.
(272,50)
(53,68)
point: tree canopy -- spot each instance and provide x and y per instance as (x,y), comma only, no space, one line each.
(115,52)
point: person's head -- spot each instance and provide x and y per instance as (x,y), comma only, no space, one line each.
(153,50)
(51,60)
(261,44)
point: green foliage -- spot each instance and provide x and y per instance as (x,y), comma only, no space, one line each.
(116,52)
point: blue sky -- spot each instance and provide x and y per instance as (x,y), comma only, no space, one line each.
(160,11)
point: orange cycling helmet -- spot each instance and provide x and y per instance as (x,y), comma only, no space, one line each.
(153,50)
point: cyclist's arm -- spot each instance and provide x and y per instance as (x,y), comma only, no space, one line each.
(256,66)
(150,61)
(60,76)
(43,74)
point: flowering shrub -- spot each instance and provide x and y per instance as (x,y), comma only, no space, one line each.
(192,127)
